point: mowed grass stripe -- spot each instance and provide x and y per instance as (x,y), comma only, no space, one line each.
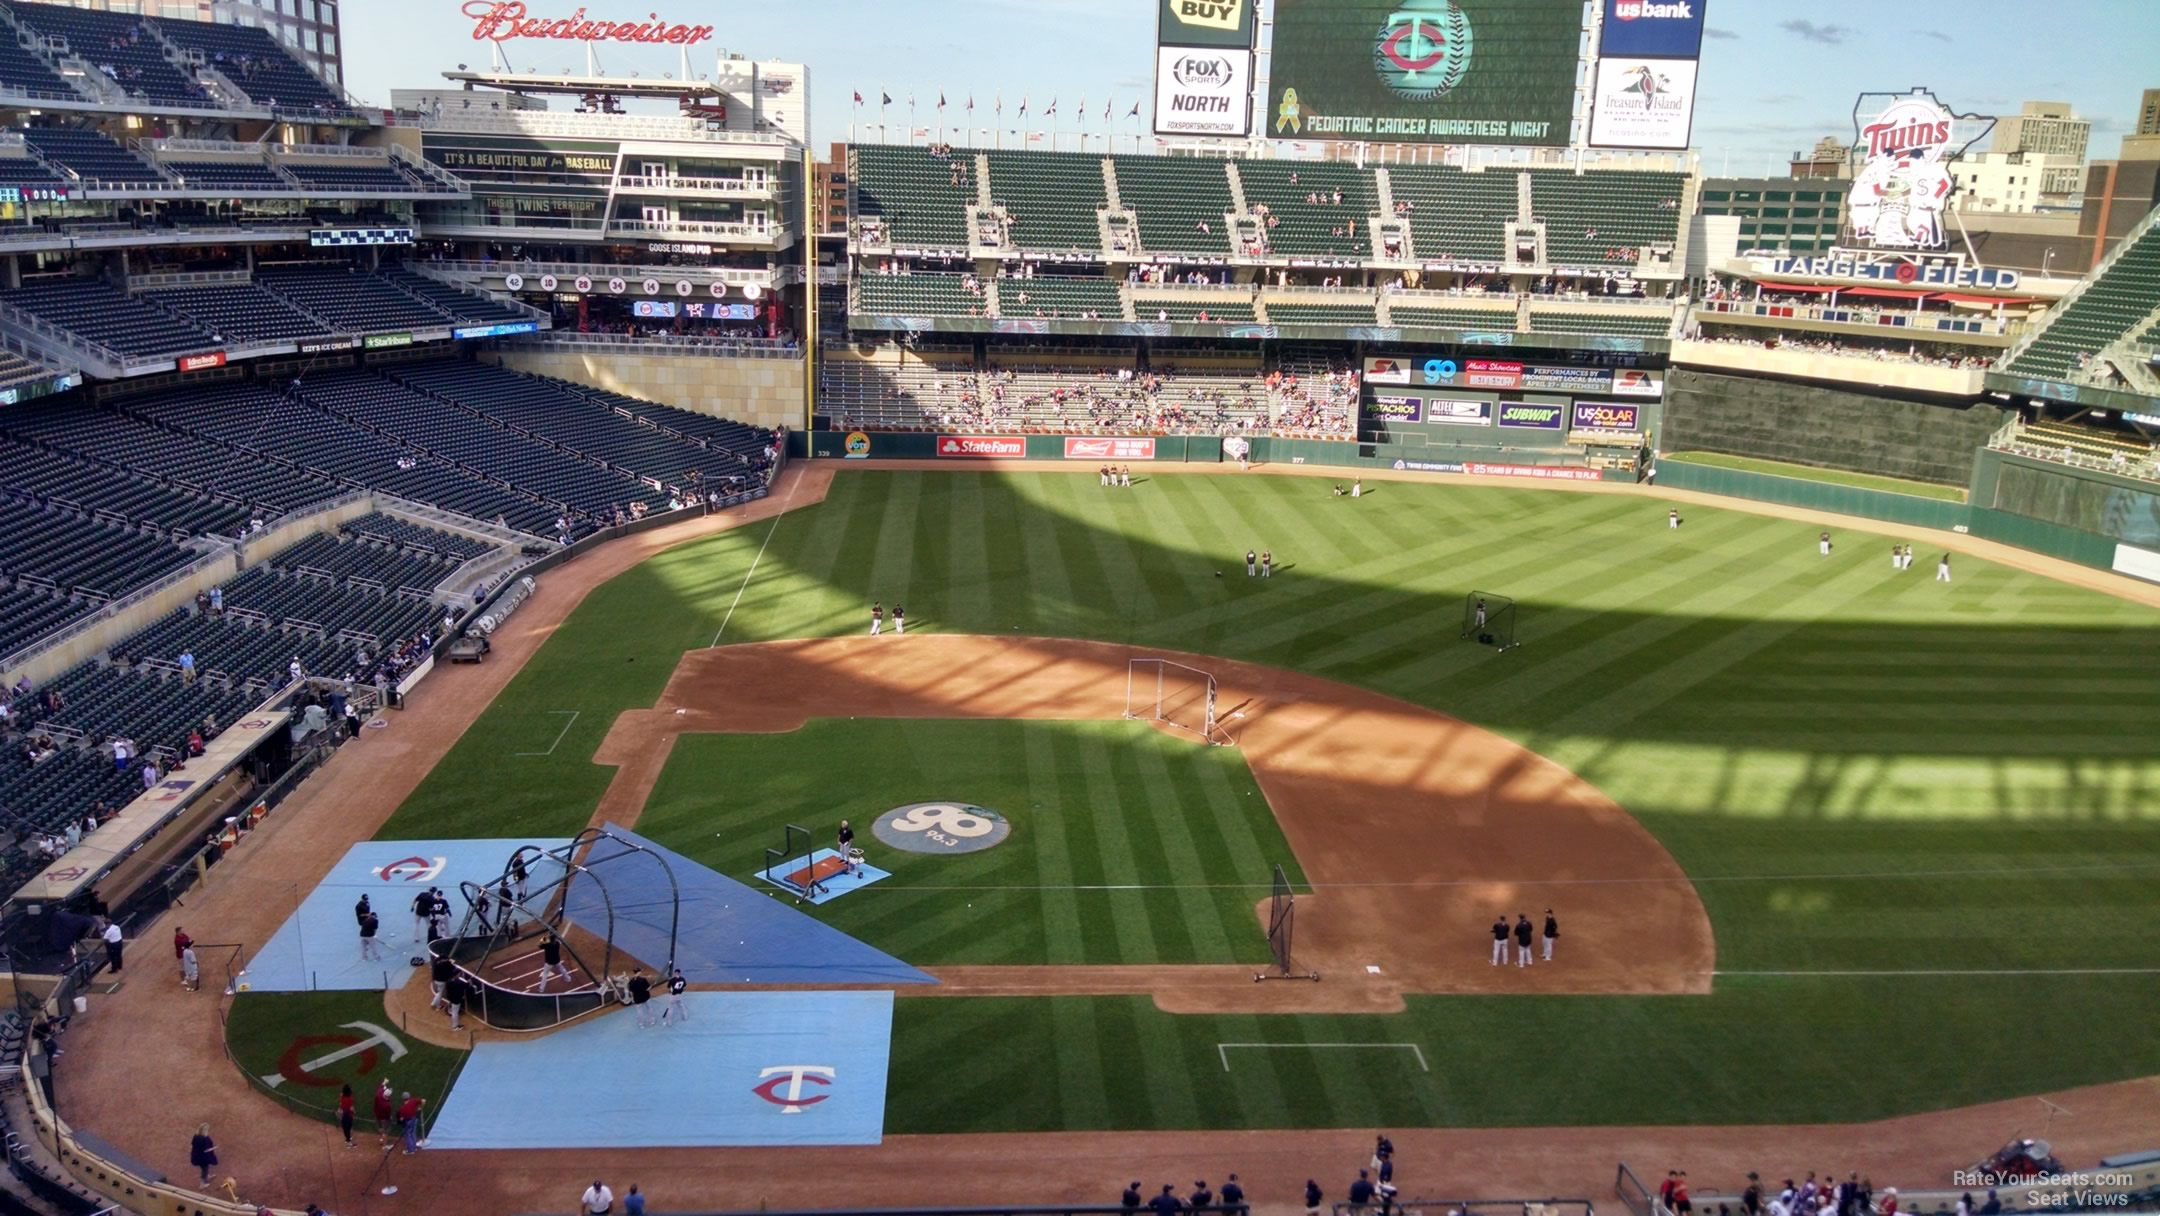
(1053,838)
(1199,912)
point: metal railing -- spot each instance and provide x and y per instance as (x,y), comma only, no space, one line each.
(696,185)
(603,271)
(645,227)
(1887,318)
(711,346)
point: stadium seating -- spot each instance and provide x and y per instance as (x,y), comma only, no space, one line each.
(2100,314)
(348,176)
(911,193)
(113,440)
(1173,197)
(2085,440)
(1344,313)
(15,369)
(73,553)
(915,294)
(230,647)
(50,794)
(1313,229)
(90,155)
(351,300)
(738,438)
(240,312)
(405,534)
(1060,297)
(254,62)
(106,701)
(1453,213)
(359,559)
(462,305)
(227,174)
(1055,196)
(28,170)
(108,317)
(21,69)
(121,45)
(1480,319)
(28,613)
(1224,311)
(74,485)
(1633,325)
(291,598)
(1588,215)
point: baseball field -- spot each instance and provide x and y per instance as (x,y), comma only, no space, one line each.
(1921,818)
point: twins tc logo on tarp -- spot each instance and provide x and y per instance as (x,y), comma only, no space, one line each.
(792,1076)
(412,869)
(1422,51)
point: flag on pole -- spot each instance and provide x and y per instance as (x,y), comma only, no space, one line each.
(1106,105)
(941,99)
(1134,112)
(1023,105)
(1052,111)
(971,103)
(887,98)
(1000,101)
(858,97)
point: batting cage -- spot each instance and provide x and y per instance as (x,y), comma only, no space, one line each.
(1158,690)
(1282,921)
(1489,620)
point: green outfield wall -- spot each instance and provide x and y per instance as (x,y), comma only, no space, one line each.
(1909,509)
(1831,428)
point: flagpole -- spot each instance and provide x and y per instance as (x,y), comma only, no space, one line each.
(884,99)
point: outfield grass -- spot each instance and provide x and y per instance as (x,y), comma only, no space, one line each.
(262,1026)
(1863,770)
(1835,477)
(1128,845)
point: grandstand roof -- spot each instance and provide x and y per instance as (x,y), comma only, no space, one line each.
(572,85)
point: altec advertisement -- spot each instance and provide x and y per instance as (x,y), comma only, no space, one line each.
(1668,29)
(1090,448)
(1643,103)
(1906,145)
(1203,91)
(982,447)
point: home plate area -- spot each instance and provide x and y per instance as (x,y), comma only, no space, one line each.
(742,1069)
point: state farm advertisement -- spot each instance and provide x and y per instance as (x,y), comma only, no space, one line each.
(982,447)
(1089,448)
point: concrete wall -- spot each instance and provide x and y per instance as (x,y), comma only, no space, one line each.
(763,392)
(1826,427)
(1808,365)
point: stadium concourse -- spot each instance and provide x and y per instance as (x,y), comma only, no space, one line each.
(359,789)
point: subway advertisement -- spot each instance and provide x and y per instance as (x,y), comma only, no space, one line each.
(1425,71)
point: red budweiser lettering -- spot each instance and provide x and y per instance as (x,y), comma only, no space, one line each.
(503,20)
(1886,138)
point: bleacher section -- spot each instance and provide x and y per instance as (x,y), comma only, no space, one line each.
(463,305)
(19,167)
(913,294)
(352,301)
(911,193)
(28,613)
(1059,297)
(1318,228)
(2085,440)
(1634,325)
(69,484)
(122,46)
(1484,320)
(112,440)
(227,174)
(351,176)
(2101,313)
(1588,215)
(14,370)
(240,312)
(738,438)
(277,591)
(105,316)
(106,701)
(1173,197)
(252,60)
(72,553)
(1453,213)
(90,155)
(404,534)
(1055,197)
(21,69)
(1360,313)
(1223,311)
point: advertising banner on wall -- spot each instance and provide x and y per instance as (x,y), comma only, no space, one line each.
(1507,374)
(1108,448)
(1203,92)
(1906,143)
(983,447)
(1666,29)
(1425,71)
(1607,416)
(1642,103)
(1396,407)
(1530,415)
(1223,23)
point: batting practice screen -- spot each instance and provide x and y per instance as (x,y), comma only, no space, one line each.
(1425,71)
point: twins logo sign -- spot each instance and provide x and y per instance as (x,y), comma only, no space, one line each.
(941,827)
(790,1077)
(411,869)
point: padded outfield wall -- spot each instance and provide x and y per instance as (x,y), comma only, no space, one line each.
(1826,427)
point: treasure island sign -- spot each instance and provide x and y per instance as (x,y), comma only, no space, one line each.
(503,20)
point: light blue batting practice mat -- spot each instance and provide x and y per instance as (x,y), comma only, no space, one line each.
(318,946)
(827,872)
(728,932)
(744,1069)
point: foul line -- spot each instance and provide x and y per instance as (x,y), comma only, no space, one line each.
(1997,973)
(752,571)
(1222,1050)
(558,735)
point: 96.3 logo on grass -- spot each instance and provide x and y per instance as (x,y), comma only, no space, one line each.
(941,827)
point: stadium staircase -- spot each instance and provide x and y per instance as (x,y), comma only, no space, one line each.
(2105,308)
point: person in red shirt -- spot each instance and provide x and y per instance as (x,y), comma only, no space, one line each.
(1680,1202)
(409,1119)
(383,1107)
(345,1114)
(180,942)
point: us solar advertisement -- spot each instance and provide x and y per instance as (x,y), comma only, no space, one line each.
(1425,71)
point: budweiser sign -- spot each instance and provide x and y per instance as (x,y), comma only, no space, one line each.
(982,447)
(503,20)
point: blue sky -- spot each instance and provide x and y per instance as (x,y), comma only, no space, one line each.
(1776,75)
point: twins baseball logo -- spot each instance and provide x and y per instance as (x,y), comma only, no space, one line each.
(365,1044)
(1423,49)
(411,869)
(792,1076)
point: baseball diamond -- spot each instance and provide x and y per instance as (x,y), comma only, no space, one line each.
(587,640)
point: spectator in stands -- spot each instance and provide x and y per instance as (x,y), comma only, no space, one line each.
(187,667)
